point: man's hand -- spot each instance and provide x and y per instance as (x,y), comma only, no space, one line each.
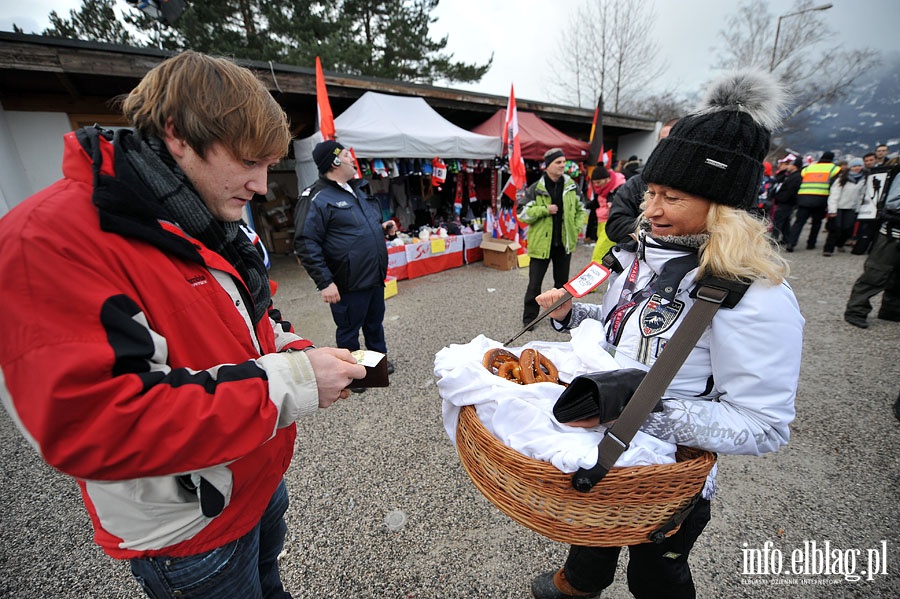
(334,369)
(552,208)
(331,295)
(548,298)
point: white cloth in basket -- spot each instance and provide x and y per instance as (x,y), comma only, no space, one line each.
(521,416)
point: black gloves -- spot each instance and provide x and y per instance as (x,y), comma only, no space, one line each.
(603,394)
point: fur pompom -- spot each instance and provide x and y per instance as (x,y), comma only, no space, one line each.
(755,92)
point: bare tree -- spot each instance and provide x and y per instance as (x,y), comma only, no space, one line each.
(665,105)
(608,51)
(578,69)
(815,74)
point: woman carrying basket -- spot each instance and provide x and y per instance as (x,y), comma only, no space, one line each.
(735,392)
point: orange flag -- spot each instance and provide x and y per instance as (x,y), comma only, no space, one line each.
(326,119)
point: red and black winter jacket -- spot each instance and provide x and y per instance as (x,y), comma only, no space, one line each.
(131,363)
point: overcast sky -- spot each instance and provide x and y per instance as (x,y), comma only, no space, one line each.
(523,34)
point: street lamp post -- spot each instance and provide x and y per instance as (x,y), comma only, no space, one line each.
(778,28)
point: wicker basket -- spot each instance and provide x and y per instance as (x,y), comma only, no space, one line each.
(623,509)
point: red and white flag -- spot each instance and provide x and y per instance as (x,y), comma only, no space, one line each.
(326,118)
(513,145)
(517,179)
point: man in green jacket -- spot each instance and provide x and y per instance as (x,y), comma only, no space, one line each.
(553,208)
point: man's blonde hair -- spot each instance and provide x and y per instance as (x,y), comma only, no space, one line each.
(209,100)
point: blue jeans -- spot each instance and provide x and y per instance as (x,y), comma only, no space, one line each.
(243,569)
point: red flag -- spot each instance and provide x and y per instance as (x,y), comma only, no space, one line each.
(596,149)
(326,119)
(509,189)
(356,164)
(507,224)
(512,144)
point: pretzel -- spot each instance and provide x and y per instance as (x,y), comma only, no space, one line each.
(552,374)
(530,367)
(494,358)
(536,368)
(510,370)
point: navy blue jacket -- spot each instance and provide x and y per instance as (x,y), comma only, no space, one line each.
(338,236)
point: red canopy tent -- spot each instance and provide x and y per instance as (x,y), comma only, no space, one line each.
(536,136)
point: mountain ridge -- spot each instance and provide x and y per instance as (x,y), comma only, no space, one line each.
(869,115)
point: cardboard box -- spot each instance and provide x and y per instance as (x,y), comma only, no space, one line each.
(282,242)
(278,213)
(390,287)
(499,253)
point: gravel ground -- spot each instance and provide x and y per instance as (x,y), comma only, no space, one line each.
(385,450)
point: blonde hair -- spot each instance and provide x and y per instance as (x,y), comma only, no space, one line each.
(209,100)
(738,247)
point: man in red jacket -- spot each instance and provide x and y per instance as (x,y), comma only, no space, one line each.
(140,354)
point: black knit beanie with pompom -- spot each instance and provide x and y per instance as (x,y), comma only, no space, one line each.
(717,151)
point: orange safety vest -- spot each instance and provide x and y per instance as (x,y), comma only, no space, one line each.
(817,178)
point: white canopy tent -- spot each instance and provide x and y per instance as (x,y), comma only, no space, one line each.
(385,126)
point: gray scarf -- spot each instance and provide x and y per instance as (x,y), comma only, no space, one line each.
(156,167)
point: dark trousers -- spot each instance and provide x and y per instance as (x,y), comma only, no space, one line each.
(804,213)
(840,229)
(590,233)
(781,222)
(865,234)
(881,272)
(360,310)
(654,571)
(537,268)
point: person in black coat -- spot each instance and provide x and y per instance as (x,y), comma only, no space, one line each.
(339,240)
(625,201)
(784,195)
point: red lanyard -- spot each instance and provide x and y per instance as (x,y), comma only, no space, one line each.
(628,299)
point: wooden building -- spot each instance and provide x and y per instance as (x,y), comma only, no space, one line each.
(49,86)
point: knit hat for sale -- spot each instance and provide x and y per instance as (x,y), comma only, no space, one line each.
(717,151)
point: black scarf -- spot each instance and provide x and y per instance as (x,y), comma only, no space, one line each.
(555,191)
(181,204)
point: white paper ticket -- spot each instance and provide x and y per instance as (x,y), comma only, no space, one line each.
(367,358)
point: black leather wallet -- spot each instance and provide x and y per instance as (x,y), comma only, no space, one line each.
(376,369)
